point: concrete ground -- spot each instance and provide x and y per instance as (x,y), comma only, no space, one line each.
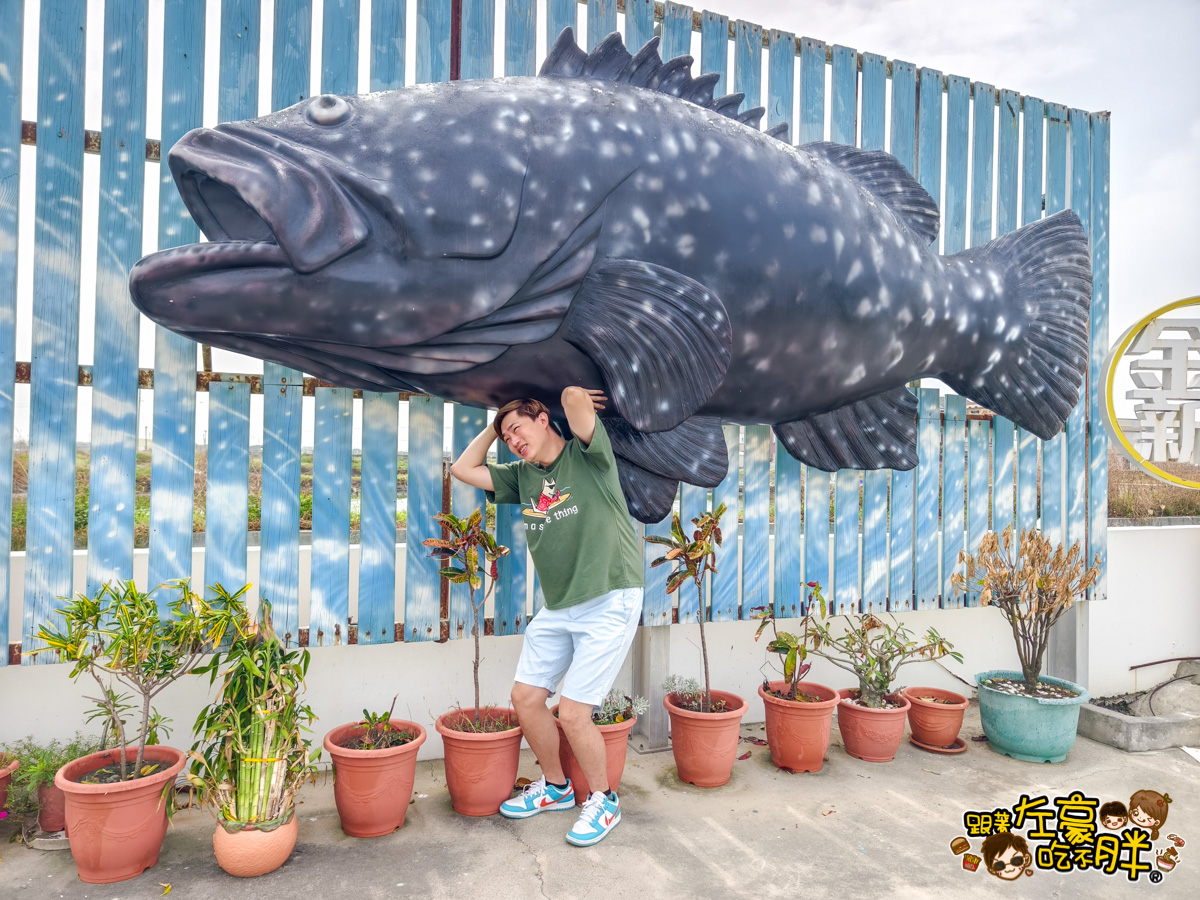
(854,829)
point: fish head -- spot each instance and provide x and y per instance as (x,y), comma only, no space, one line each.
(337,228)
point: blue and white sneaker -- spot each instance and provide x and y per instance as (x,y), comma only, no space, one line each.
(536,797)
(599,816)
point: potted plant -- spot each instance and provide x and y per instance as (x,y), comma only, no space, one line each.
(799,714)
(704,724)
(935,716)
(482,747)
(32,767)
(1025,714)
(118,799)
(374,765)
(871,716)
(615,717)
(251,755)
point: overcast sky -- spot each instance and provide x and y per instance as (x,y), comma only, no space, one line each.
(1134,59)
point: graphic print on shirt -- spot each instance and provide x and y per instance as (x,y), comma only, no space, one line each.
(542,505)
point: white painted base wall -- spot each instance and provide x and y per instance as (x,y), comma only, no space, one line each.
(1152,612)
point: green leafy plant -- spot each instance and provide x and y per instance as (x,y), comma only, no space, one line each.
(380,732)
(122,636)
(1033,586)
(619,707)
(792,647)
(38,765)
(692,559)
(251,755)
(466,542)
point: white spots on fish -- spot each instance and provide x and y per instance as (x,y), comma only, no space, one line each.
(430,211)
(700,202)
(674,209)
(1013,334)
(414,156)
(818,234)
(857,374)
(962,322)
(856,268)
(688,140)
(749,342)
(772,269)
(885,297)
(995,281)
(814,194)
(915,253)
(464,139)
(750,211)
(789,230)
(652,158)
(711,149)
(721,260)
(476,219)
(426,175)
(927,318)
(608,149)
(670,146)
(974,290)
(829,342)
(839,241)
(1000,323)
(864,308)
(893,353)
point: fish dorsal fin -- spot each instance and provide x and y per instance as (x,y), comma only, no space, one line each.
(779,131)
(885,177)
(611,61)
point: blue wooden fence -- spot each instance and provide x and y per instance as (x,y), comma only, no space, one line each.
(875,540)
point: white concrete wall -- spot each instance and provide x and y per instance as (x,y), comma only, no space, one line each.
(1153,612)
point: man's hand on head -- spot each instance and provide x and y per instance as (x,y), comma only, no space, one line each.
(581,405)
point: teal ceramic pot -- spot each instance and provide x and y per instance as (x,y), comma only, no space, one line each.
(1029,728)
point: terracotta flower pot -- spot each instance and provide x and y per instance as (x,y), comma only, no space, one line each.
(52,808)
(117,830)
(250,852)
(481,769)
(705,744)
(616,742)
(871,734)
(372,788)
(935,724)
(5,777)
(797,730)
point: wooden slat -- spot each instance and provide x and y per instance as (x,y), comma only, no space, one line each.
(978,496)
(817,498)
(844,115)
(847,573)
(561,14)
(724,584)
(1027,480)
(812,91)
(875,541)
(982,156)
(954,449)
(747,62)
(676,31)
(874,94)
(1008,143)
(639,24)
(57,238)
(601,21)
(468,422)
(227,489)
(389,23)
(1054,450)
(478,39)
(377,519)
(903,141)
(1077,425)
(714,49)
(173,454)
(693,502)
(781,70)
(1032,129)
(929,132)
(237,79)
(756,585)
(656,604)
(510,616)
(329,593)
(1098,440)
(119,236)
(1004,462)
(901,507)
(954,208)
(422,588)
(433,41)
(520,38)
(279,558)
(11,52)
(789,534)
(929,439)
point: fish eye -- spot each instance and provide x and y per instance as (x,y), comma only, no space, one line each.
(328,109)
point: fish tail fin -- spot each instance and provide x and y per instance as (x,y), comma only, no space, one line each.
(1030,293)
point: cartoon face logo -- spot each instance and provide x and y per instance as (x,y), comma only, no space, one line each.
(1006,855)
(1113,815)
(1149,810)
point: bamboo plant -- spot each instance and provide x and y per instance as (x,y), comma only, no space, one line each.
(692,559)
(251,755)
(466,539)
(122,635)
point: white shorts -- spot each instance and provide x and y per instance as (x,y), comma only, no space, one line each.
(586,642)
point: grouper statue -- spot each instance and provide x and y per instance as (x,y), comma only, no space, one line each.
(610,224)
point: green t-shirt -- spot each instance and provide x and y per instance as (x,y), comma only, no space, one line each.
(576,521)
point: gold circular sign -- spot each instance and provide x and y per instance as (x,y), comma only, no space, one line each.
(1171,418)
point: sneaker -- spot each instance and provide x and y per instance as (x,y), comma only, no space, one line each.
(599,816)
(536,797)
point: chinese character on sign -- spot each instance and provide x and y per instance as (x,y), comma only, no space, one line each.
(1167,378)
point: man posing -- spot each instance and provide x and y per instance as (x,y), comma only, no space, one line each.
(590,565)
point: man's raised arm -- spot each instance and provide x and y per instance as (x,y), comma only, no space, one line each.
(471,467)
(580,405)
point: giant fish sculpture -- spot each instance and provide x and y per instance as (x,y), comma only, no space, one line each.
(610,224)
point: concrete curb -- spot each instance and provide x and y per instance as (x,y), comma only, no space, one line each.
(1137,733)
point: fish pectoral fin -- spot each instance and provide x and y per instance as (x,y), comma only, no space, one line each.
(693,451)
(648,496)
(885,177)
(662,340)
(879,432)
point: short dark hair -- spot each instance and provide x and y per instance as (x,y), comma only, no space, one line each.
(996,843)
(1114,808)
(531,409)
